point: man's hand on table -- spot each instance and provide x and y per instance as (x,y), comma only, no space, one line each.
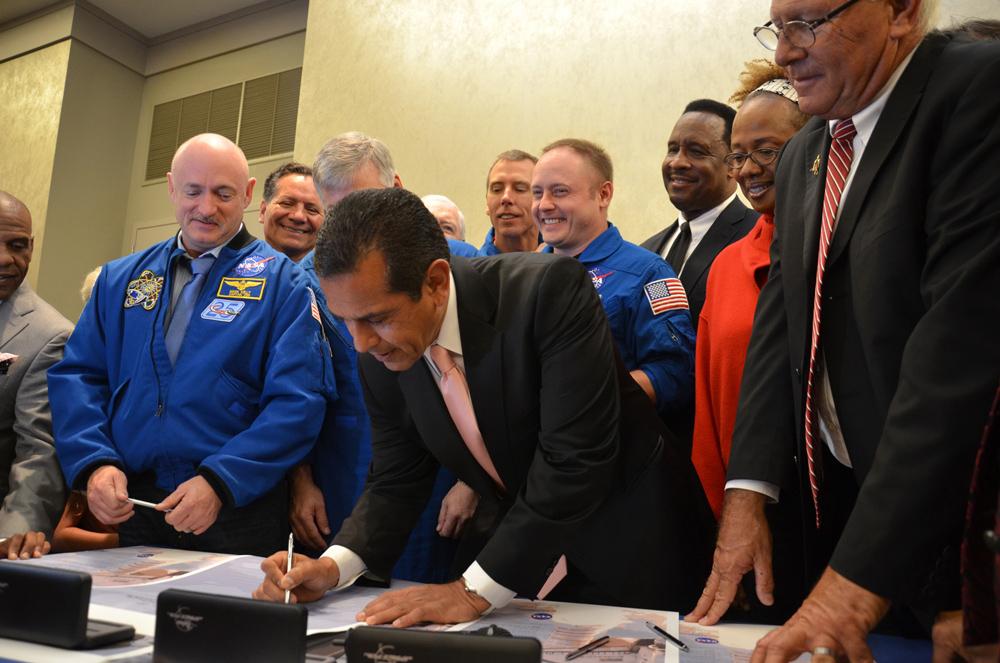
(438,604)
(948,647)
(307,509)
(107,490)
(837,615)
(195,506)
(744,544)
(24,546)
(308,580)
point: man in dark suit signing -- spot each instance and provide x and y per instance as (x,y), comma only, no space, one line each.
(874,349)
(580,483)
(703,189)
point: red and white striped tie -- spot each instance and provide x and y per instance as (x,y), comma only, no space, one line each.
(838,165)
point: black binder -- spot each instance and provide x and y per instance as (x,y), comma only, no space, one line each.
(50,606)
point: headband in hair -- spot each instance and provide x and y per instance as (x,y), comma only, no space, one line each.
(781,87)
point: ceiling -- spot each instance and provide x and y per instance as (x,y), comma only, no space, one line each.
(152,18)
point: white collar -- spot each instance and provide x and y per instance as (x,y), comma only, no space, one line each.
(449,337)
(701,223)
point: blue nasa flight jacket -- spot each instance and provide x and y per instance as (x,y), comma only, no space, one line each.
(244,400)
(344,451)
(650,321)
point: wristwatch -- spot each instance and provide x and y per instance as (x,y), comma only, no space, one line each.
(472,590)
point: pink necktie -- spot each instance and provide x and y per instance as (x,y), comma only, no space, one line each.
(838,165)
(455,391)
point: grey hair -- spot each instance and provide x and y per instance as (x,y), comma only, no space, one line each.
(343,156)
(445,200)
(927,19)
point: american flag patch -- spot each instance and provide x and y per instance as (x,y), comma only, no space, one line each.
(314,306)
(666,295)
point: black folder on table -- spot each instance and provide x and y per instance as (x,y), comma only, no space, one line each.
(366,644)
(50,606)
(193,627)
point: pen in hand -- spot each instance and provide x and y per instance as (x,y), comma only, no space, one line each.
(671,639)
(144,503)
(291,542)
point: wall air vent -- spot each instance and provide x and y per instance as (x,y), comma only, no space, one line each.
(258,115)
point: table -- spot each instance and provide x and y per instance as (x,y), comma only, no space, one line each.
(126,582)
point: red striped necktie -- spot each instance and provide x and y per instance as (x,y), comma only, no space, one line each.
(838,166)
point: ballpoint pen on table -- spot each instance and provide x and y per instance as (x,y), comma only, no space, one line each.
(590,646)
(671,639)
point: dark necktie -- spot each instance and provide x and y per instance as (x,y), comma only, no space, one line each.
(678,252)
(185,305)
(837,168)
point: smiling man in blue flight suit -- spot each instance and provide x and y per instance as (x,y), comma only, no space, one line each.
(572,188)
(195,376)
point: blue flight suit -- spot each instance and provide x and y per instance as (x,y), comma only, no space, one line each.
(344,452)
(459,248)
(489,248)
(634,284)
(241,405)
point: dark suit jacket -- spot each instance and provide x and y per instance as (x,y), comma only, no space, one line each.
(735,221)
(909,319)
(32,487)
(590,470)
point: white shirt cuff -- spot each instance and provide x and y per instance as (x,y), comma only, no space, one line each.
(763,487)
(497,595)
(350,564)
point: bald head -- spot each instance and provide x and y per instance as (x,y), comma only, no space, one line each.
(449,217)
(9,205)
(210,186)
(16,244)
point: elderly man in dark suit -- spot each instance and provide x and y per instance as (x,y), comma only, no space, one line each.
(32,336)
(504,370)
(874,347)
(703,189)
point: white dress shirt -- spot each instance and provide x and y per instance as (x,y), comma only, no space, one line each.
(699,227)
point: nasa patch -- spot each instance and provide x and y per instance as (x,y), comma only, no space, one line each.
(541,615)
(223,310)
(597,275)
(252,265)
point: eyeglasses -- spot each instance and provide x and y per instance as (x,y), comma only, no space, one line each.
(799,33)
(762,156)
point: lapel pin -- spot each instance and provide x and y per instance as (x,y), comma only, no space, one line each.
(815,169)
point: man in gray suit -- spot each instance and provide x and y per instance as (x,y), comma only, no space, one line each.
(32,335)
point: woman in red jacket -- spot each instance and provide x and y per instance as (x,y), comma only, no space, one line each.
(768,116)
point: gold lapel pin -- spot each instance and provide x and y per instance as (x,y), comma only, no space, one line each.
(815,169)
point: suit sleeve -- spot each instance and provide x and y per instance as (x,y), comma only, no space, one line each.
(400,479)
(663,344)
(81,398)
(37,488)
(764,440)
(911,505)
(578,441)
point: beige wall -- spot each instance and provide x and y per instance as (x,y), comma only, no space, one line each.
(448,84)
(31,90)
(90,174)
(150,216)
